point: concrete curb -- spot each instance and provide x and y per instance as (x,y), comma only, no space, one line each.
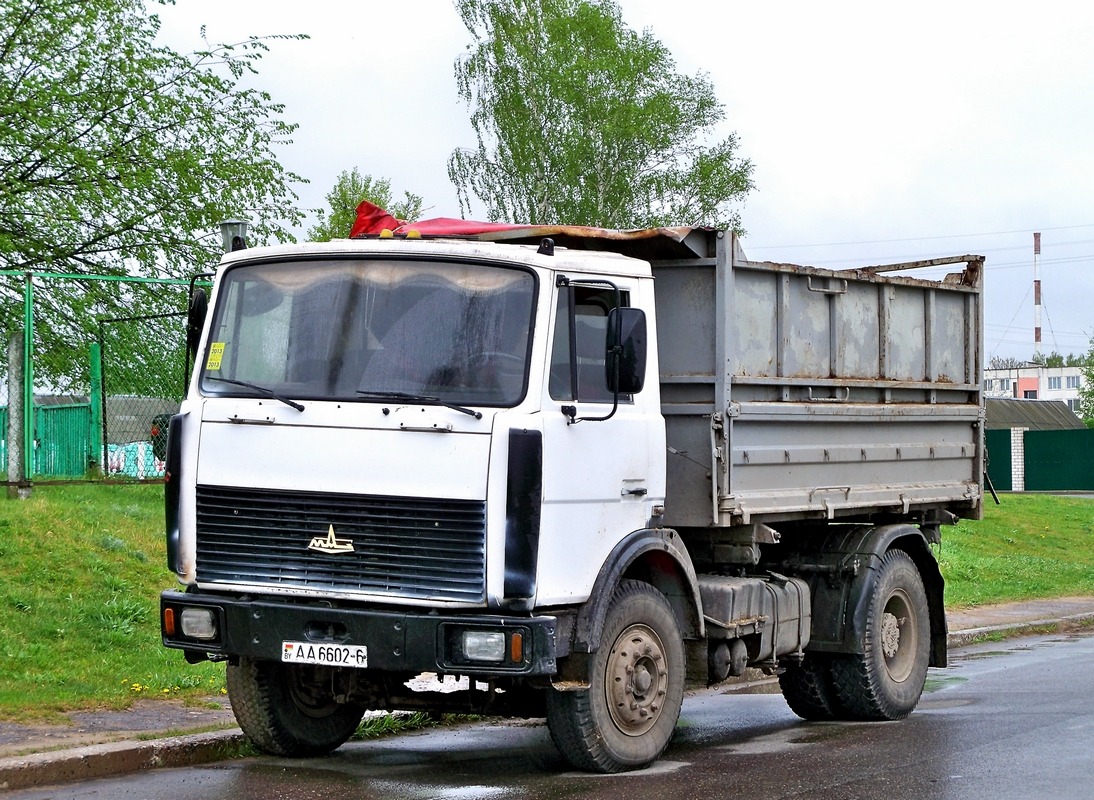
(116,758)
(972,635)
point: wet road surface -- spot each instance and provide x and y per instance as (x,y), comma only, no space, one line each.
(1012,720)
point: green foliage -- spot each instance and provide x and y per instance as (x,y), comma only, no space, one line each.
(1086,387)
(348,192)
(118,156)
(581,120)
(1053,359)
(1030,546)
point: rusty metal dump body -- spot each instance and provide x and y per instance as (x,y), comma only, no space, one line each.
(793,392)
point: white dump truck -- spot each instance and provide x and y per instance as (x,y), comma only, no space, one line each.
(573,471)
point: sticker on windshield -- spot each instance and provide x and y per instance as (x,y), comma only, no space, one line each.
(216,353)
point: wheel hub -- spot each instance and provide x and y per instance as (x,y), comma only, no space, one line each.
(899,638)
(890,635)
(637,680)
(310,691)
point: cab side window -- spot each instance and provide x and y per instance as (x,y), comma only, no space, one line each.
(581,314)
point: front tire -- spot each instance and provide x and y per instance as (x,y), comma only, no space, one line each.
(627,716)
(886,680)
(288,709)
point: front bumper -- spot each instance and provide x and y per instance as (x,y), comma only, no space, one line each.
(401,641)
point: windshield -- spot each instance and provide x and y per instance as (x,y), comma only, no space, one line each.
(349,328)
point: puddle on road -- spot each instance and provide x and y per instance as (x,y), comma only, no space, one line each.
(819,734)
(947,682)
(939,683)
(957,659)
(426,792)
(762,686)
(657,768)
(942,705)
(787,740)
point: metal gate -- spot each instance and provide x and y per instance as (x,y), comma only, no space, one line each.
(1059,461)
(143,371)
(63,447)
(999,467)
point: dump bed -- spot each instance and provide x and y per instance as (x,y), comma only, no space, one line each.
(792,392)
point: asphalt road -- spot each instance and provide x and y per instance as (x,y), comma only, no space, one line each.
(1013,720)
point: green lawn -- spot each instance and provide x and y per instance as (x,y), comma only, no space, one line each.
(81,569)
(82,566)
(1030,546)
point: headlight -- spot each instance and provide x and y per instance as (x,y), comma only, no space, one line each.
(483,646)
(198,623)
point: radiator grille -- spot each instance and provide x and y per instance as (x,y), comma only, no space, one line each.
(408,547)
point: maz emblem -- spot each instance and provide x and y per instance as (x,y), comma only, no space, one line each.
(331,544)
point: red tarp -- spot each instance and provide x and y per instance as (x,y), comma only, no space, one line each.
(652,243)
(372,219)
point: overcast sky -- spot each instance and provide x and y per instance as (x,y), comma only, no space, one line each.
(879,131)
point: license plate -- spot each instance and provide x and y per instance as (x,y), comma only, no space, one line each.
(327,655)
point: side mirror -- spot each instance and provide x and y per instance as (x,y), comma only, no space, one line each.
(626,357)
(195,320)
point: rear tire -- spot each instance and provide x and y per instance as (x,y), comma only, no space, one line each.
(627,716)
(808,690)
(289,710)
(886,680)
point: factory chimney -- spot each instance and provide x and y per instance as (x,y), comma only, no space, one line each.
(1036,296)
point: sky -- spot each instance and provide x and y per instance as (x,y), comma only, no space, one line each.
(879,132)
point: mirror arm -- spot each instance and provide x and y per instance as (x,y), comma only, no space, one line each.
(571,411)
(191,336)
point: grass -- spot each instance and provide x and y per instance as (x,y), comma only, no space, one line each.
(1029,547)
(376,726)
(82,566)
(81,569)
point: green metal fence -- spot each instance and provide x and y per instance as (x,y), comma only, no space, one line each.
(1000,467)
(1050,461)
(102,355)
(63,441)
(143,371)
(1059,461)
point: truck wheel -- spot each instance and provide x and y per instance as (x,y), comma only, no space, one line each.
(626,717)
(807,689)
(289,710)
(885,681)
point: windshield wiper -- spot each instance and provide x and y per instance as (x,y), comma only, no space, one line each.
(260,389)
(418,398)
